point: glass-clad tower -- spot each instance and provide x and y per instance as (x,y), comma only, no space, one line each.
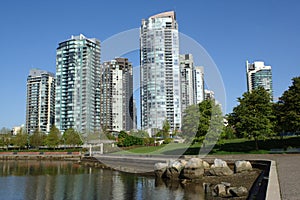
(40,101)
(160,74)
(77,91)
(259,75)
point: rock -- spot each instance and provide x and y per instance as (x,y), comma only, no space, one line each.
(220,171)
(219,163)
(240,166)
(220,190)
(177,165)
(194,163)
(220,168)
(174,169)
(183,162)
(226,184)
(194,173)
(193,169)
(160,169)
(238,192)
(172,173)
(205,165)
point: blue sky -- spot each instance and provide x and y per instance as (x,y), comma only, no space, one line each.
(231,31)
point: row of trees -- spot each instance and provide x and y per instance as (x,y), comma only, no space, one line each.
(255,117)
(258,117)
(37,139)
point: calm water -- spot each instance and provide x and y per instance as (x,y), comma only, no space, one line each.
(66,180)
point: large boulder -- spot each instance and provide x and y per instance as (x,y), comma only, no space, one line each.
(174,169)
(194,163)
(238,191)
(194,173)
(193,169)
(240,166)
(220,168)
(160,169)
(220,190)
(205,165)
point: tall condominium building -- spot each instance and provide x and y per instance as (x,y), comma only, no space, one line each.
(259,75)
(160,74)
(187,80)
(77,94)
(198,85)
(40,101)
(116,99)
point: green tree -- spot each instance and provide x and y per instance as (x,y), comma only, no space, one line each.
(72,137)
(5,140)
(166,129)
(216,122)
(254,115)
(288,109)
(36,139)
(190,121)
(21,139)
(53,138)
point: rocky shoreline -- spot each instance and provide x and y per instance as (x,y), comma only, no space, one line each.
(218,179)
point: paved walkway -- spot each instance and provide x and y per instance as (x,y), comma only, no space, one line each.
(288,167)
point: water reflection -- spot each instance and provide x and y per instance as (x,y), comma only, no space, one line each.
(66,180)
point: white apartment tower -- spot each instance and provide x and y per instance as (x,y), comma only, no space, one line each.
(187,81)
(199,84)
(40,101)
(116,95)
(77,91)
(160,73)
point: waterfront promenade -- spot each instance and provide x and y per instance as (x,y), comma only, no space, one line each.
(287,165)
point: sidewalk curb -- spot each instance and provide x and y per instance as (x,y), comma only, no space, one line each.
(273,190)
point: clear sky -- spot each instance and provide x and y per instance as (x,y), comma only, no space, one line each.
(231,31)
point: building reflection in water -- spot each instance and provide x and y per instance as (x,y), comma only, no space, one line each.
(66,180)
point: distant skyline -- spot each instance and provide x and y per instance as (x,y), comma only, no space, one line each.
(230,31)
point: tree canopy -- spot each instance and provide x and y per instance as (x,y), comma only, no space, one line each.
(53,137)
(71,137)
(253,117)
(202,121)
(288,109)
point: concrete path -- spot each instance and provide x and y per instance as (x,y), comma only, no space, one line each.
(288,167)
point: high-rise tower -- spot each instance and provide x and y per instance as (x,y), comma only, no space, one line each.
(40,101)
(160,74)
(116,95)
(259,75)
(77,93)
(187,82)
(199,92)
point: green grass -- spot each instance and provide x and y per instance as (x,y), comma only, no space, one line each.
(173,149)
(233,146)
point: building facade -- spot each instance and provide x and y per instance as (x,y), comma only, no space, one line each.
(77,93)
(116,95)
(209,95)
(40,101)
(187,81)
(259,75)
(199,84)
(160,73)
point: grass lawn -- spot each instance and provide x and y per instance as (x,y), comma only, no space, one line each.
(234,146)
